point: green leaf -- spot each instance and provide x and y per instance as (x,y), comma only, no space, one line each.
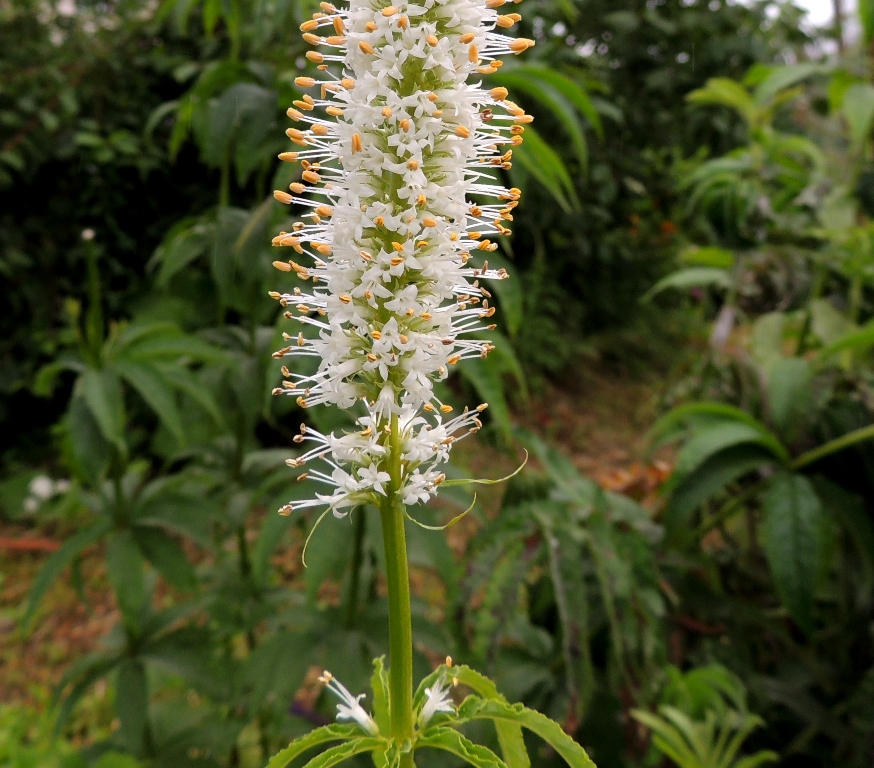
(456,744)
(784,77)
(166,556)
(545,165)
(793,542)
(693,277)
(89,451)
(186,382)
(153,388)
(59,560)
(491,709)
(132,704)
(709,479)
(379,686)
(709,256)
(856,340)
(342,752)
(730,93)
(485,377)
(102,393)
(124,566)
(858,109)
(709,441)
(183,244)
(789,395)
(323,735)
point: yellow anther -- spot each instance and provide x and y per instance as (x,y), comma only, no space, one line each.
(293,114)
(499,94)
(390,11)
(296,187)
(334,111)
(376,335)
(404,125)
(386,111)
(379,221)
(287,157)
(462,131)
(403,22)
(429,222)
(324,210)
(313,39)
(520,44)
(467,38)
(504,21)
(371,27)
(320,130)
(311,176)
(324,249)
(303,308)
(404,339)
(348,83)
(336,40)
(446,409)
(524,119)
(397,261)
(309,26)
(421,200)
(282,197)
(315,56)
(413,165)
(399,247)
(339,26)
(282,266)
(365,47)
(371,357)
(454,359)
(356,142)
(422,244)
(345,299)
(431,40)
(473,54)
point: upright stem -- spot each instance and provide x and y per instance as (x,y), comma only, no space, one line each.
(399,614)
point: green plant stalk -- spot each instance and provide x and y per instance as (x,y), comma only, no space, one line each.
(399,613)
(833,446)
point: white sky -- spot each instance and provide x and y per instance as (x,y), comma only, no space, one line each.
(822,11)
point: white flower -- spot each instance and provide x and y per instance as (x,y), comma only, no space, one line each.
(438,700)
(42,487)
(349,707)
(393,147)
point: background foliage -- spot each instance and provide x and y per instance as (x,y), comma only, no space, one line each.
(699,176)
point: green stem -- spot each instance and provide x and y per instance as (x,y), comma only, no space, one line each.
(399,614)
(351,608)
(833,446)
(732,506)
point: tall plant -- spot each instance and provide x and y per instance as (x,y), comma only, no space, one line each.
(396,289)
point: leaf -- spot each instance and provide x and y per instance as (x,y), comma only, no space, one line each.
(730,93)
(277,667)
(124,566)
(59,560)
(132,704)
(490,709)
(858,109)
(709,479)
(709,256)
(789,395)
(166,556)
(153,388)
(793,542)
(102,393)
(329,553)
(709,441)
(185,242)
(692,277)
(510,294)
(545,165)
(186,382)
(784,77)
(323,735)
(456,744)
(379,686)
(342,752)
(570,89)
(485,377)
(855,340)
(90,452)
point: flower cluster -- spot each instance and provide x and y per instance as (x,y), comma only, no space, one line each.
(394,151)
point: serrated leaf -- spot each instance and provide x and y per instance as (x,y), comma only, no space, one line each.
(456,744)
(379,686)
(551,732)
(342,752)
(323,735)
(793,542)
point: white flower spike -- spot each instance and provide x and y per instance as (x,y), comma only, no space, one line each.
(395,148)
(349,707)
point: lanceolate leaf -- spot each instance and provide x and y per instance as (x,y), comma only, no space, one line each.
(794,542)
(548,730)
(379,686)
(102,392)
(342,752)
(323,735)
(453,742)
(60,560)
(152,387)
